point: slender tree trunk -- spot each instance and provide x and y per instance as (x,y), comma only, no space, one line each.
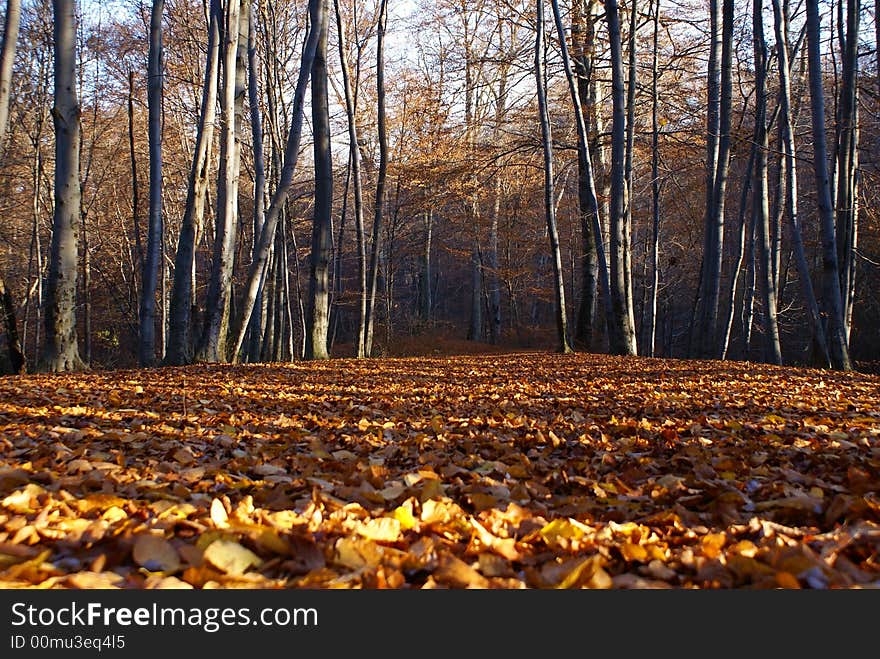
(847,163)
(196,194)
(781,26)
(549,193)
(632,81)
(618,243)
(425,297)
(588,201)
(61,350)
(356,183)
(318,310)
(7,59)
(373,274)
(831,297)
(256,320)
(135,193)
(212,347)
(713,246)
(150,273)
(760,197)
(16,356)
(650,329)
(727,325)
(285,180)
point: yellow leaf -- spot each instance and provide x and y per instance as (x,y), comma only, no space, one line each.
(403,514)
(560,529)
(21,501)
(231,557)
(114,514)
(633,552)
(505,547)
(219,515)
(155,554)
(713,543)
(383,529)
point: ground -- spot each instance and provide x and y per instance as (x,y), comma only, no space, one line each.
(528,470)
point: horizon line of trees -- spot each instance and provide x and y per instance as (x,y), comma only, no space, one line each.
(592,175)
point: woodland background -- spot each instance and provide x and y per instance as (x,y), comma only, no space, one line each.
(463,251)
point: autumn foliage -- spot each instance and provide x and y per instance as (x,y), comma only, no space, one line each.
(504,471)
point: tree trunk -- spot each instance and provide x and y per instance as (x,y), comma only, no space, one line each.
(61,351)
(318,309)
(632,81)
(256,321)
(781,27)
(373,274)
(196,194)
(212,347)
(760,197)
(277,204)
(650,325)
(848,163)
(135,196)
(7,59)
(831,297)
(357,185)
(624,330)
(13,343)
(549,194)
(588,202)
(150,273)
(713,245)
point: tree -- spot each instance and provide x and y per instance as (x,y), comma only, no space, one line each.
(196,193)
(549,194)
(61,350)
(760,199)
(831,295)
(318,310)
(258,267)
(151,265)
(624,332)
(373,273)
(212,347)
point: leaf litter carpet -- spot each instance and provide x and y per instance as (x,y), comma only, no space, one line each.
(504,471)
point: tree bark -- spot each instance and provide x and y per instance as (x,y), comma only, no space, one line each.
(212,347)
(61,352)
(831,296)
(256,321)
(318,309)
(549,193)
(760,197)
(277,204)
(7,59)
(13,343)
(151,265)
(781,28)
(624,330)
(196,194)
(356,183)
(373,273)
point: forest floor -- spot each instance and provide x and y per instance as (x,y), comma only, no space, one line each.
(526,470)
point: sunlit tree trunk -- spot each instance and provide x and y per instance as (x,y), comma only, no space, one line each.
(212,347)
(373,273)
(318,309)
(196,194)
(625,332)
(356,184)
(7,59)
(760,197)
(781,28)
(256,321)
(151,265)
(549,194)
(279,199)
